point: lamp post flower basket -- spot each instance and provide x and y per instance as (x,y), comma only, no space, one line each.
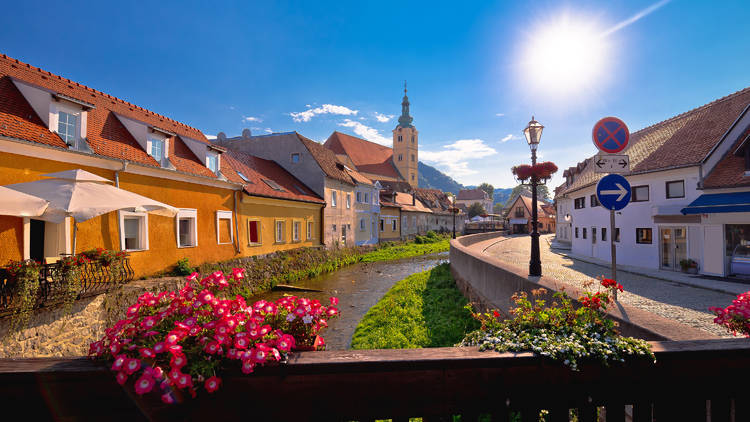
(560,331)
(542,171)
(175,343)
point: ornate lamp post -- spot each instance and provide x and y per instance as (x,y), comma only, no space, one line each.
(533,133)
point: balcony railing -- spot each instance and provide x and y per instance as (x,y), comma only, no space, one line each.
(691,381)
(96,278)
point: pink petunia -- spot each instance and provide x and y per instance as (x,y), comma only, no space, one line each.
(178,361)
(247,366)
(334,301)
(212,384)
(121,378)
(285,343)
(159,347)
(184,381)
(119,362)
(146,352)
(144,384)
(132,365)
(167,398)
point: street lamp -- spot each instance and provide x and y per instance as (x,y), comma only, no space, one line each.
(533,133)
(454,211)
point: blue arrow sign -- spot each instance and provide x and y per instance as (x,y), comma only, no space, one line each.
(613,192)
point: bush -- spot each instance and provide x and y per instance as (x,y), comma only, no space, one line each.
(183,267)
(419,240)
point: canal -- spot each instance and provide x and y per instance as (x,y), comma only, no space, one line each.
(358,288)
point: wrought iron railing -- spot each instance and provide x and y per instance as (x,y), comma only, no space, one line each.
(96,277)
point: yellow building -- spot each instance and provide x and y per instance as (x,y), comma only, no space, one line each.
(390,219)
(49,124)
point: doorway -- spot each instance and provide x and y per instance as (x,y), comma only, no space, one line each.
(672,247)
(36,240)
(343,234)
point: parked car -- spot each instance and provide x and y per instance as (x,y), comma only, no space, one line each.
(740,263)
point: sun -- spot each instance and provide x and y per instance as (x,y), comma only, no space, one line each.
(564,56)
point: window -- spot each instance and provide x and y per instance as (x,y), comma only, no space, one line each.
(67,126)
(280,229)
(157,149)
(273,185)
(412,177)
(334,227)
(594,201)
(593,235)
(643,235)
(519,212)
(333,199)
(348,200)
(412,139)
(361,224)
(310,228)
(295,157)
(253,232)
(412,158)
(604,234)
(243,177)
(212,162)
(296,229)
(640,194)
(617,234)
(367,198)
(382,225)
(576,232)
(359,196)
(584,232)
(401,157)
(399,138)
(224,227)
(394,224)
(187,228)
(579,203)
(133,231)
(675,189)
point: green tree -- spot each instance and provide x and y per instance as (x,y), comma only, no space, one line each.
(497,209)
(476,209)
(487,188)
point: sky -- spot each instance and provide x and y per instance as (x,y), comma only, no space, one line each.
(476,71)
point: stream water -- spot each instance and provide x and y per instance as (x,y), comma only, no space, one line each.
(358,288)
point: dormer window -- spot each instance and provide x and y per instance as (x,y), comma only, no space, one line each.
(212,162)
(67,126)
(156,149)
(295,157)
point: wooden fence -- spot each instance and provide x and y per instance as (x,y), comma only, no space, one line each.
(691,381)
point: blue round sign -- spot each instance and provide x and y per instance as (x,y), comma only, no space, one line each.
(613,192)
(610,135)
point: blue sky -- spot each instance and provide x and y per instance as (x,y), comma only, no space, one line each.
(316,67)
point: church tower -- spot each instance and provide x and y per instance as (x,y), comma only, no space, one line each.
(405,145)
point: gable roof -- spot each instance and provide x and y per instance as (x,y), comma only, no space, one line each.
(327,160)
(367,156)
(729,172)
(256,169)
(106,135)
(358,177)
(470,194)
(405,201)
(680,141)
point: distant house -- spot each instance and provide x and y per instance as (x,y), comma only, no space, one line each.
(390,217)
(468,197)
(690,180)
(519,216)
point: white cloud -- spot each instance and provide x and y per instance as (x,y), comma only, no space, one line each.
(500,114)
(371,134)
(454,157)
(305,116)
(509,137)
(251,119)
(383,118)
(267,130)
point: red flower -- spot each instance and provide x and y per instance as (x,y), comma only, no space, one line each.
(212,384)
(132,365)
(144,384)
(121,378)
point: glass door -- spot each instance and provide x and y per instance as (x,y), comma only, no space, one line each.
(673,246)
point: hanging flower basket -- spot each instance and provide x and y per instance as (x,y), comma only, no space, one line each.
(542,171)
(522,172)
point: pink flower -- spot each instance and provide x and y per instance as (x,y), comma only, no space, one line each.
(167,398)
(238,273)
(259,353)
(121,378)
(332,311)
(144,384)
(212,384)
(334,301)
(241,342)
(178,361)
(145,352)
(119,362)
(192,277)
(174,374)
(159,347)
(285,343)
(247,366)
(132,365)
(133,310)
(184,380)
(212,348)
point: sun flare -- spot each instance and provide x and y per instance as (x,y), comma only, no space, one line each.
(564,56)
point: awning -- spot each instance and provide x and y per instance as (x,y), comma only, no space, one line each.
(519,221)
(719,202)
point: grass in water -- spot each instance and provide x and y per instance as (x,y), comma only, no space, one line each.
(423,310)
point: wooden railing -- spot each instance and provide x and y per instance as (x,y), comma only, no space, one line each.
(96,278)
(691,381)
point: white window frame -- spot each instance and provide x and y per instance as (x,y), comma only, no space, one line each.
(333,198)
(192,214)
(296,231)
(260,235)
(310,229)
(156,136)
(276,231)
(348,200)
(215,157)
(54,120)
(222,215)
(143,229)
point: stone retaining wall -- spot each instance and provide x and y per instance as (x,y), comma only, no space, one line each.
(491,283)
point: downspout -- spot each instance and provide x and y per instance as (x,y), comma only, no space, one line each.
(236,226)
(117,185)
(117,174)
(322,224)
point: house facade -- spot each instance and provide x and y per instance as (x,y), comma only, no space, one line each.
(49,124)
(676,165)
(367,207)
(520,217)
(468,197)
(390,218)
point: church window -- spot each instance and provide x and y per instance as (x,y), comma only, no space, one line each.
(412,139)
(400,138)
(401,157)
(412,177)
(412,158)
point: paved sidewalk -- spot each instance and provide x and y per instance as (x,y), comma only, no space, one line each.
(681,298)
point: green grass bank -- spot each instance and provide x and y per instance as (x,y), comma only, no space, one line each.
(423,310)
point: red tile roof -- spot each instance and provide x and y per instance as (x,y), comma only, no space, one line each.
(730,170)
(327,160)
(367,156)
(256,169)
(681,141)
(358,177)
(469,194)
(106,135)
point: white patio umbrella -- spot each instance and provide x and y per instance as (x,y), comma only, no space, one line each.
(19,204)
(83,196)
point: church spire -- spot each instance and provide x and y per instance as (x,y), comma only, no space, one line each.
(405,119)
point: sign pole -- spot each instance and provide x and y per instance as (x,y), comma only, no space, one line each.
(612,245)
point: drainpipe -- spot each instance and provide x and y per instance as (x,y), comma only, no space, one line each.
(117,174)
(236,226)
(322,224)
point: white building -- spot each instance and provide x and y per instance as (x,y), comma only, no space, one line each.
(675,165)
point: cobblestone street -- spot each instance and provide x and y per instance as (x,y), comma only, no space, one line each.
(686,304)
